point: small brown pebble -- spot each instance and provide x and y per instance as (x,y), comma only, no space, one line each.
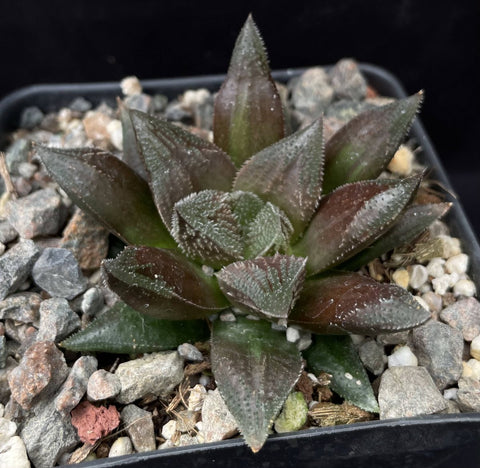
(305,385)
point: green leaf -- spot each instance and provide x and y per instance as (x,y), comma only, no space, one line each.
(351,218)
(363,147)
(288,174)
(337,356)
(352,303)
(248,114)
(268,233)
(409,225)
(178,163)
(130,156)
(163,284)
(245,206)
(266,287)
(206,229)
(106,188)
(255,368)
(122,329)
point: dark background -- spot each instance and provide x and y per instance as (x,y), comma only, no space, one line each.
(433,45)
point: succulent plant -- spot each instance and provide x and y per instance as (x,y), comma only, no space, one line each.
(271,226)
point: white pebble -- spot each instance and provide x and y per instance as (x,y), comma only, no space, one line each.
(131,86)
(312,404)
(418,276)
(457,264)
(422,302)
(304,342)
(450,393)
(252,317)
(465,287)
(122,446)
(475,347)
(293,335)
(348,376)
(204,380)
(402,356)
(192,98)
(443,283)
(357,339)
(169,429)
(208,270)
(199,425)
(227,317)
(471,369)
(425,288)
(451,246)
(313,378)
(114,129)
(195,400)
(2,248)
(279,326)
(433,300)
(435,267)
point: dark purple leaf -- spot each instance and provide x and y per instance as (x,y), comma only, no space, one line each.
(266,286)
(106,188)
(351,218)
(363,147)
(255,368)
(248,114)
(409,225)
(163,284)
(351,303)
(178,163)
(288,174)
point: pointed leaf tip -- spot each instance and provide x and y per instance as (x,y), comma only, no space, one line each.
(266,286)
(363,147)
(288,174)
(177,162)
(163,284)
(122,329)
(255,368)
(110,191)
(248,114)
(351,218)
(352,303)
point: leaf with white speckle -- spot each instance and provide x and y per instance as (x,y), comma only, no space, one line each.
(255,368)
(266,286)
(339,303)
(163,284)
(351,218)
(337,356)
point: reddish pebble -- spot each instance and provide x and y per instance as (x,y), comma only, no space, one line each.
(94,422)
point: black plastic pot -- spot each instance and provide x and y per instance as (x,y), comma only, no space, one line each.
(440,441)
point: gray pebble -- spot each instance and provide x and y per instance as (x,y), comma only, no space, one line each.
(16,265)
(31,117)
(103,385)
(3,351)
(4,373)
(139,102)
(312,92)
(372,356)
(39,214)
(408,391)
(92,301)
(57,272)
(393,338)
(156,373)
(48,434)
(80,104)
(17,153)
(464,315)
(139,427)
(468,395)
(21,307)
(217,421)
(439,348)
(27,170)
(190,353)
(57,320)
(347,80)
(177,113)
(73,389)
